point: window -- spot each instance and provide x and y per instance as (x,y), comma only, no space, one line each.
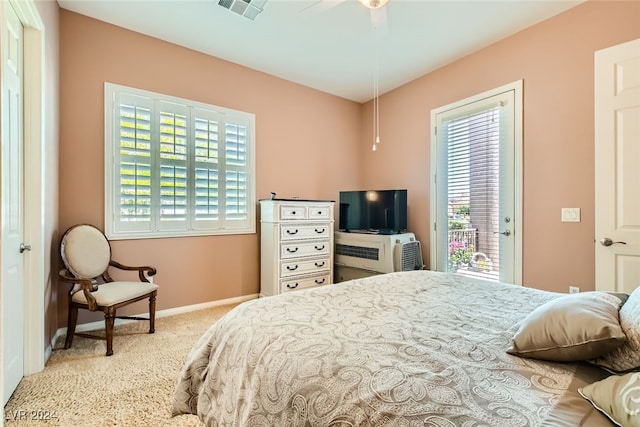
(176,167)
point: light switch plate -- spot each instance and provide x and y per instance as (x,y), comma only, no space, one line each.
(570,214)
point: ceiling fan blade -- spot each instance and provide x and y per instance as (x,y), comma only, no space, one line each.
(379,22)
(320,6)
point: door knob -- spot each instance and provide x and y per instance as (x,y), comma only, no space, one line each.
(608,242)
(24,247)
(506,232)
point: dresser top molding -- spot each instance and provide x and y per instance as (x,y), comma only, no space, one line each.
(298,200)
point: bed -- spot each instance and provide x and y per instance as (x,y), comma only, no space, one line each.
(414,348)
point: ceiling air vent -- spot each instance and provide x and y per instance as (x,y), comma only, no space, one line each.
(247,8)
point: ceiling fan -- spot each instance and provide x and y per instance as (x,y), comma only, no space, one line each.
(379,26)
(377,9)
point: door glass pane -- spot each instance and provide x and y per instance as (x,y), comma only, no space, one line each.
(473,194)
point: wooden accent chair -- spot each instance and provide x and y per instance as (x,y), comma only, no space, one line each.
(86,254)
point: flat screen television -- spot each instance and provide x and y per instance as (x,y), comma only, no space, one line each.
(373,211)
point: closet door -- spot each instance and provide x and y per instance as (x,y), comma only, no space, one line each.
(617,145)
(12,283)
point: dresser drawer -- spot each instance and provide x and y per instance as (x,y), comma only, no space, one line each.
(304,266)
(292,212)
(304,249)
(303,283)
(319,212)
(306,231)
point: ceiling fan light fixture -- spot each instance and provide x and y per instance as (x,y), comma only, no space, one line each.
(373,4)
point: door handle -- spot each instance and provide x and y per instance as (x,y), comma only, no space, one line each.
(24,247)
(506,232)
(608,242)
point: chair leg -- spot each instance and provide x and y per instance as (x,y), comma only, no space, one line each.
(152,313)
(72,320)
(109,320)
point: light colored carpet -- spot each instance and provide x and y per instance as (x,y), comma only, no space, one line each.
(82,387)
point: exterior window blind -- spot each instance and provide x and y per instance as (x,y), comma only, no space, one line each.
(176,167)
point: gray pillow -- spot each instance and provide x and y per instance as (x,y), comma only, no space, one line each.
(627,357)
(569,328)
(618,397)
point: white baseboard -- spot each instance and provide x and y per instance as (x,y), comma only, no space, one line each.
(161,313)
(47,352)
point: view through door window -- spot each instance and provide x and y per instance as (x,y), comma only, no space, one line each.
(473,193)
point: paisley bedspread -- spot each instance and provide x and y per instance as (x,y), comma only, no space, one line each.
(414,348)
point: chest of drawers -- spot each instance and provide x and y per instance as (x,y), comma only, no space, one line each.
(296,245)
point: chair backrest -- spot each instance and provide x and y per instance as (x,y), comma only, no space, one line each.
(85,251)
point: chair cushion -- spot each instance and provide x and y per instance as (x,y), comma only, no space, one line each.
(86,251)
(116,292)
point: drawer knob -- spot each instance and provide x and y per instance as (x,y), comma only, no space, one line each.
(293,212)
(292,251)
(292,268)
(318,282)
(319,247)
(319,231)
(320,264)
(292,232)
(292,285)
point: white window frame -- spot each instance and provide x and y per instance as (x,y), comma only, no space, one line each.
(115,228)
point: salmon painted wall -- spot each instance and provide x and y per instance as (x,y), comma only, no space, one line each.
(327,146)
(306,146)
(555,60)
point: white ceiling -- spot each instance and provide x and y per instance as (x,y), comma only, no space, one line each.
(332,49)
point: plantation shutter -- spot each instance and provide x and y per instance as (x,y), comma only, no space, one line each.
(135,160)
(235,174)
(176,169)
(172,159)
(207,169)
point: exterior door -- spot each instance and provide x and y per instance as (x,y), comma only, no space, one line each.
(12,269)
(476,186)
(617,145)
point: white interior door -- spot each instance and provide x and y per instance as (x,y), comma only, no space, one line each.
(617,167)
(12,203)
